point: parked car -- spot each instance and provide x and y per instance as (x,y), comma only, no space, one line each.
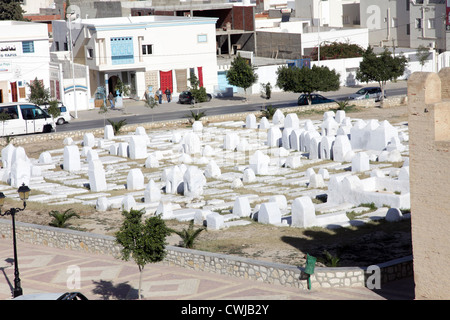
(64,116)
(53,296)
(367,93)
(315,99)
(186,97)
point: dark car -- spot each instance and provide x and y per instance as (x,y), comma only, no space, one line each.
(186,97)
(367,93)
(315,99)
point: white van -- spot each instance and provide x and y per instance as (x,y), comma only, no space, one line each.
(23,118)
(64,116)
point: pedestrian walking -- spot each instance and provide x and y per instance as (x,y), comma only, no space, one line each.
(111,99)
(168,93)
(159,93)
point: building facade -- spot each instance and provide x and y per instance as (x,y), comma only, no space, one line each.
(24,56)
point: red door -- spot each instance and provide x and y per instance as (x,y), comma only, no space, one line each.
(165,78)
(14,91)
(200,76)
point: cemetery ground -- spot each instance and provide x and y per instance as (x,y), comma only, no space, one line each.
(371,243)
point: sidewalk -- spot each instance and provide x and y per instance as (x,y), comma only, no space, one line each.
(133,107)
(100,277)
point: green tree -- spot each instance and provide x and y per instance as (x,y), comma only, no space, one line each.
(53,110)
(380,68)
(199,93)
(337,50)
(307,80)
(117,125)
(38,94)
(144,242)
(11,10)
(241,74)
(188,235)
(60,218)
(422,55)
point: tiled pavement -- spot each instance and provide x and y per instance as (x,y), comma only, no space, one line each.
(44,269)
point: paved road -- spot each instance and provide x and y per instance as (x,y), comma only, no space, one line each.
(101,277)
(136,112)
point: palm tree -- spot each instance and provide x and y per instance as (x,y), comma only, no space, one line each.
(60,219)
(117,126)
(188,235)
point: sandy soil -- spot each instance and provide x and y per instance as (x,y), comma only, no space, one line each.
(374,243)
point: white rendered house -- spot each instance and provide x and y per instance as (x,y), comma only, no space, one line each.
(24,56)
(147,52)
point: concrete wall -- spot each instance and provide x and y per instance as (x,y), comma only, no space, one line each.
(429,147)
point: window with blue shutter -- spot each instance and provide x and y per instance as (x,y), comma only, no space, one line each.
(122,50)
(28,46)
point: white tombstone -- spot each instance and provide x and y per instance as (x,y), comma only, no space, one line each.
(243,145)
(174,180)
(403,174)
(152,193)
(360,162)
(96,174)
(326,147)
(102,204)
(197,126)
(303,212)
(316,181)
(84,151)
(113,149)
(123,149)
(340,116)
(71,158)
(207,151)
(278,118)
(231,140)
(137,147)
(45,157)
(341,147)
(314,147)
(236,184)
(294,139)
(291,121)
(191,143)
(200,216)
(128,203)
(7,155)
(358,139)
(20,173)
(194,182)
(382,135)
(135,179)
(165,210)
(393,215)
(329,127)
(280,200)
(250,121)
(269,213)
(89,140)
(68,141)
(264,124)
(293,162)
(286,138)
(241,207)
(215,221)
(259,163)
(108,132)
(91,154)
(151,162)
(274,137)
(324,173)
(212,170)
(248,176)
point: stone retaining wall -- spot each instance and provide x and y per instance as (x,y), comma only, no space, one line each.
(251,269)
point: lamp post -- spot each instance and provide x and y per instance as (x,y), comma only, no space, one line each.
(24,192)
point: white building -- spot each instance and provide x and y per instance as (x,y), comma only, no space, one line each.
(24,56)
(144,52)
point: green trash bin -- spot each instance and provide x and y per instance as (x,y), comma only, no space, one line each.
(309,268)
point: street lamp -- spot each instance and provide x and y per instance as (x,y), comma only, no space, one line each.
(24,192)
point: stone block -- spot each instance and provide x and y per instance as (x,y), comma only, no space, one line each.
(269,213)
(135,179)
(303,212)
